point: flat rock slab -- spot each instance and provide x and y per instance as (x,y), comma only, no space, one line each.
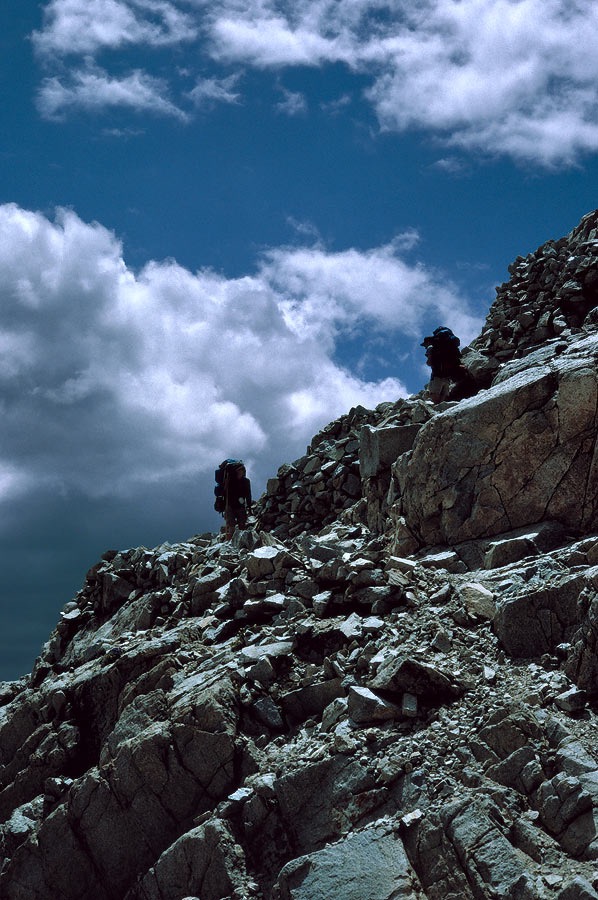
(516,454)
(369,865)
(379,447)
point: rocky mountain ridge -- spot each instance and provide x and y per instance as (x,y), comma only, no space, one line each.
(386,690)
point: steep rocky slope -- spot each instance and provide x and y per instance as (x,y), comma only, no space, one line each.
(386,690)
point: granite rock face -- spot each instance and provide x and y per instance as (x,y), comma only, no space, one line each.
(386,689)
(516,454)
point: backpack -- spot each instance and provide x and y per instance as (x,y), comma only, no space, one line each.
(444,339)
(220,478)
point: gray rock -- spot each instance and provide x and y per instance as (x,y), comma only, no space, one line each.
(571,701)
(378,447)
(368,865)
(266,711)
(478,600)
(365,707)
(318,802)
(191,729)
(528,542)
(262,561)
(578,889)
(334,712)
(561,802)
(538,620)
(520,770)
(448,559)
(311,700)
(402,674)
(409,706)
(274,650)
(262,671)
(204,589)
(516,454)
(582,663)
(492,864)
(205,860)
(352,627)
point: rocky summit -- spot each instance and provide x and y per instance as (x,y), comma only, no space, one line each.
(386,689)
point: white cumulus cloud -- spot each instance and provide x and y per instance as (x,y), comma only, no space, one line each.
(87,26)
(111,380)
(510,77)
(208,91)
(377,289)
(94,90)
(293,103)
(122,390)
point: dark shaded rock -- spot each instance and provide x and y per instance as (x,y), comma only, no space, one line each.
(402,674)
(537,621)
(369,864)
(311,700)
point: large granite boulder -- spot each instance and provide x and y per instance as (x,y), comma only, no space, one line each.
(369,864)
(519,453)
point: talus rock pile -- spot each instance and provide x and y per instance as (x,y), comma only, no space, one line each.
(387,689)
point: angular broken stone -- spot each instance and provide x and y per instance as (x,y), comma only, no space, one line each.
(311,700)
(572,700)
(378,447)
(409,706)
(321,601)
(402,564)
(370,863)
(402,674)
(412,818)
(262,561)
(448,560)
(267,712)
(262,671)
(334,712)
(478,600)
(352,627)
(365,706)
(256,651)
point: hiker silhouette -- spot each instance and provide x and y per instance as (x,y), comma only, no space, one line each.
(233,494)
(450,379)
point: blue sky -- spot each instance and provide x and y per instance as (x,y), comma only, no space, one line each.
(223,224)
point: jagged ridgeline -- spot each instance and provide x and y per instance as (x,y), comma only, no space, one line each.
(386,690)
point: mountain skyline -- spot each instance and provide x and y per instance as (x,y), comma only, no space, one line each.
(224,225)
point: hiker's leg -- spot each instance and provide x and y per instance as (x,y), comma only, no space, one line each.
(231,520)
(438,389)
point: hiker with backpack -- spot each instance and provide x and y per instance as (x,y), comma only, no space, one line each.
(449,380)
(233,494)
